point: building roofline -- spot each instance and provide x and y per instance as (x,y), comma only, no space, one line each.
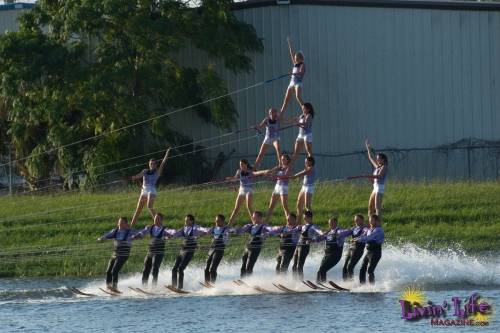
(16,6)
(414,4)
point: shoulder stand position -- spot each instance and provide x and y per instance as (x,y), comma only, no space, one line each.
(245,175)
(220,236)
(257,231)
(334,244)
(190,232)
(356,249)
(122,237)
(272,124)
(298,72)
(304,199)
(149,179)
(305,137)
(374,239)
(282,173)
(308,234)
(156,248)
(379,175)
(289,236)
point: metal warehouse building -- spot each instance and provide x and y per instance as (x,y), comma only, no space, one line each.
(420,79)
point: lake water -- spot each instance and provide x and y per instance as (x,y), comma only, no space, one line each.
(45,305)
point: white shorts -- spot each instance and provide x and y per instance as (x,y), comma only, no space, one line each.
(271,141)
(294,83)
(307,189)
(379,189)
(146,191)
(244,191)
(305,137)
(280,189)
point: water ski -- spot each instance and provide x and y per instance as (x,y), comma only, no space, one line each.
(77,291)
(283,288)
(336,286)
(111,292)
(310,286)
(176,290)
(327,287)
(207,285)
(144,292)
(315,286)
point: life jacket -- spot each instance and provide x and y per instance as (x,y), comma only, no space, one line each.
(189,243)
(357,246)
(122,245)
(157,243)
(256,238)
(286,241)
(304,236)
(218,242)
(331,245)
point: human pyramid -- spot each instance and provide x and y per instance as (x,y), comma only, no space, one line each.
(295,236)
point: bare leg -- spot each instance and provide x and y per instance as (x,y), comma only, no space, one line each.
(277,148)
(237,205)
(300,206)
(262,153)
(378,204)
(288,95)
(270,210)
(298,94)
(308,200)
(249,204)
(140,206)
(297,149)
(151,202)
(371,204)
(309,148)
(284,203)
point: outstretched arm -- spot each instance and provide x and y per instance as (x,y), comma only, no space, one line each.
(235,177)
(138,176)
(163,162)
(369,151)
(262,124)
(290,49)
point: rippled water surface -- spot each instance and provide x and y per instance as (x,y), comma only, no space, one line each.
(37,305)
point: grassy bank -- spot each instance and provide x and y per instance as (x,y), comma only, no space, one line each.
(55,235)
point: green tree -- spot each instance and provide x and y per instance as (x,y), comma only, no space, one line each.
(81,68)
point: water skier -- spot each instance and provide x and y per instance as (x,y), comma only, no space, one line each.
(220,235)
(289,236)
(297,77)
(156,248)
(282,174)
(245,175)
(304,199)
(148,193)
(356,249)
(272,138)
(373,239)
(190,232)
(122,236)
(308,234)
(305,137)
(378,177)
(257,231)
(334,244)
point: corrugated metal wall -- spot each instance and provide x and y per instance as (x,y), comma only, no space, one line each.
(402,77)
(8,17)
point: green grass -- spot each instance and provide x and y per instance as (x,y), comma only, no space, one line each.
(55,235)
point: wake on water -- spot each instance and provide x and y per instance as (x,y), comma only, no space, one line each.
(399,267)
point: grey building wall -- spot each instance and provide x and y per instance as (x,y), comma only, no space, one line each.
(419,79)
(8,15)
(403,77)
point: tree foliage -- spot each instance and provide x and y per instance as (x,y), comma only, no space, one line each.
(81,68)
